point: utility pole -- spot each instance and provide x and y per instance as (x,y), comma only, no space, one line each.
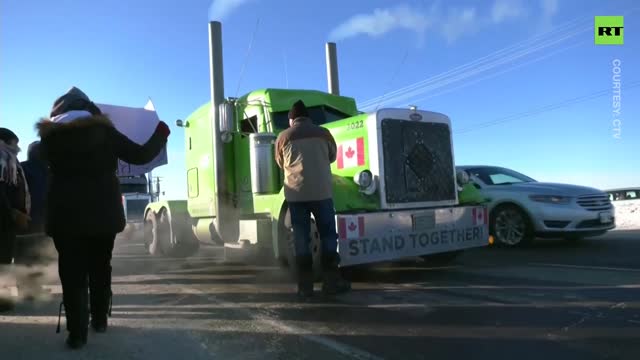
(157,192)
(150,185)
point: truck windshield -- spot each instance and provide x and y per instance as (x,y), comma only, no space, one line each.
(133,188)
(133,184)
(319,114)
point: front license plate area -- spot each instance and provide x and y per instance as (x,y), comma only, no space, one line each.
(606,217)
(423,222)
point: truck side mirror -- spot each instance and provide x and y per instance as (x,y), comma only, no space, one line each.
(226,117)
(462,178)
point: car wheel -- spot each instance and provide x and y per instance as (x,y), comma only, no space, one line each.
(510,226)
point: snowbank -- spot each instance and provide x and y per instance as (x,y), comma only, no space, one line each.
(627,214)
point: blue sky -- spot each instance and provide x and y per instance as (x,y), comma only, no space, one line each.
(477,61)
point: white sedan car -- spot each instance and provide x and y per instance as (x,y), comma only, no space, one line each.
(522,208)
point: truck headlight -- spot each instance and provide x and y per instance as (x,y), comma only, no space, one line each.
(550,199)
(363,178)
(365,181)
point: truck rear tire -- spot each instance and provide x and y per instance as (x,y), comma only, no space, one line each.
(164,238)
(150,229)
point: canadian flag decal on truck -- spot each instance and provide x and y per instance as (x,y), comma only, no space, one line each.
(350,227)
(350,153)
(480,216)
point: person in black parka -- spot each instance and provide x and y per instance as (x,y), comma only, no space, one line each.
(35,172)
(14,208)
(33,249)
(84,210)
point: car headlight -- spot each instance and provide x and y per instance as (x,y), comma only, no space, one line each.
(550,199)
(365,181)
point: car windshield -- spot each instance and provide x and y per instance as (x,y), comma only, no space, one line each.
(319,115)
(498,176)
(624,195)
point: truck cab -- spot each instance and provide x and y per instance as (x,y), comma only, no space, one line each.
(135,197)
(394,181)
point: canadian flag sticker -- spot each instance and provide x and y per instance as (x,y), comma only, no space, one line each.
(350,153)
(350,227)
(480,216)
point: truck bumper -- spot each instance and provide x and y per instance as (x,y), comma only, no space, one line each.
(381,236)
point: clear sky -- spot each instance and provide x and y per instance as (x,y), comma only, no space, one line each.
(486,64)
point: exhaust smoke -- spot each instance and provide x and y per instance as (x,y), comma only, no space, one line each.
(221,8)
(29,274)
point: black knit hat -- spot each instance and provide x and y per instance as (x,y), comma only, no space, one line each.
(7,135)
(298,110)
(74,99)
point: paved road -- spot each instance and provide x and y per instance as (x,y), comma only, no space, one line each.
(554,300)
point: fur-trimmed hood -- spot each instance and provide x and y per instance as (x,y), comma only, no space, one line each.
(75,135)
(46,126)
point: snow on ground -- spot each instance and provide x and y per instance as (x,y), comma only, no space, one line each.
(627,214)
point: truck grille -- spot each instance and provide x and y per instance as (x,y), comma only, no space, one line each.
(418,163)
(595,202)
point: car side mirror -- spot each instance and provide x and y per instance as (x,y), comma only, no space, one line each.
(462,178)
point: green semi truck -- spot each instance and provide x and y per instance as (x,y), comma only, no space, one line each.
(396,191)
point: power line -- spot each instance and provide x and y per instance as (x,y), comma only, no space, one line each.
(395,73)
(547,108)
(548,55)
(499,57)
(490,66)
(495,54)
(246,57)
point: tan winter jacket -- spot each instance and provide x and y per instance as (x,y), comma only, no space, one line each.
(305,152)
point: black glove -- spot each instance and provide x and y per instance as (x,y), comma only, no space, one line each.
(163,128)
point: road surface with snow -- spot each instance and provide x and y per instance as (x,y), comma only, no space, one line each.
(627,214)
(554,300)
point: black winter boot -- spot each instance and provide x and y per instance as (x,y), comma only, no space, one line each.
(304,267)
(76,307)
(100,308)
(333,283)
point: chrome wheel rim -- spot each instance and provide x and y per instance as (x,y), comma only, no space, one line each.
(510,227)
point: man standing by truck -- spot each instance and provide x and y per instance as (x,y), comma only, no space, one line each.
(305,152)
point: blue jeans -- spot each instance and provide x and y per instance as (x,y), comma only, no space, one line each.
(324,215)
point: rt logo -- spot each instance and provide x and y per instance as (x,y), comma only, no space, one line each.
(609,30)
